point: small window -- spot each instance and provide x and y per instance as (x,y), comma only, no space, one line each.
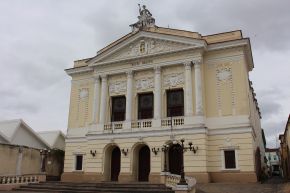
(79,162)
(145,106)
(269,158)
(275,157)
(175,104)
(118,108)
(230,159)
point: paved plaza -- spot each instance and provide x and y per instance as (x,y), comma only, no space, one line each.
(274,185)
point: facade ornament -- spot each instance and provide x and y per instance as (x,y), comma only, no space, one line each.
(84,93)
(145,19)
(118,87)
(173,80)
(143,84)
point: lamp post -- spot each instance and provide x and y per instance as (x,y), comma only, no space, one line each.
(165,150)
(183,149)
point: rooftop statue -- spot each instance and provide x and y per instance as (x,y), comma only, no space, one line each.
(145,19)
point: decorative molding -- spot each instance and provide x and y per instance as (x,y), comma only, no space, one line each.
(224,76)
(143,84)
(117,87)
(83,93)
(173,80)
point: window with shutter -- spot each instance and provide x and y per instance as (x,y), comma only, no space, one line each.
(230,159)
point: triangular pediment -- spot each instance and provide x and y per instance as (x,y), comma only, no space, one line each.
(145,44)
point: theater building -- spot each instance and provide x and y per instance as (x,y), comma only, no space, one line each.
(133,103)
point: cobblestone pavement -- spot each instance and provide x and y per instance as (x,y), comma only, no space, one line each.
(274,185)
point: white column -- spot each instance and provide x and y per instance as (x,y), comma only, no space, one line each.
(129,96)
(103,99)
(157,93)
(198,89)
(188,90)
(96,103)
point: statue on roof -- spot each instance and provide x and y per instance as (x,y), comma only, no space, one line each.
(145,19)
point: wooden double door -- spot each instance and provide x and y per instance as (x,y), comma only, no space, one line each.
(144,163)
(175,159)
(115,163)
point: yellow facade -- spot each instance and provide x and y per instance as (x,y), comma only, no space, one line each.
(221,111)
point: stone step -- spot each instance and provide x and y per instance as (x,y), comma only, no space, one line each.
(105,187)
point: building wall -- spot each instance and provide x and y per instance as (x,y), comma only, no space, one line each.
(19,160)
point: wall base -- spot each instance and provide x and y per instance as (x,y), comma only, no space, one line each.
(233,177)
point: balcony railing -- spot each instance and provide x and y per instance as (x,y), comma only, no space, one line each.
(142,123)
(113,126)
(174,121)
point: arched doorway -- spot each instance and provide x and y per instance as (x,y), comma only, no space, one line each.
(112,163)
(258,163)
(141,162)
(174,158)
(115,164)
(144,164)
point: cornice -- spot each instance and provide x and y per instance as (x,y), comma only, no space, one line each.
(132,59)
(79,70)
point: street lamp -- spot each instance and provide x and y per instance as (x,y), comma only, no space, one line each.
(183,149)
(165,149)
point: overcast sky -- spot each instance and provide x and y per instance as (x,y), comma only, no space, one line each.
(39,39)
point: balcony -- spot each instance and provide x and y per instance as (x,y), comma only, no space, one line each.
(142,123)
(113,126)
(172,121)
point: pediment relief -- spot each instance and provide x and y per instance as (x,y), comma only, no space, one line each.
(144,45)
(148,46)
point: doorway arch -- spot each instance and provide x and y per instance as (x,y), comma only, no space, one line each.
(112,163)
(141,162)
(175,159)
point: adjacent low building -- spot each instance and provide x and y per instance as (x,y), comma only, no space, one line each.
(284,150)
(273,160)
(25,152)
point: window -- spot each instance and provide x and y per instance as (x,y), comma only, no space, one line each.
(175,104)
(275,157)
(145,106)
(118,108)
(269,157)
(79,162)
(230,159)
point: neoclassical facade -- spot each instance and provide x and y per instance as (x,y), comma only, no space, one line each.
(134,101)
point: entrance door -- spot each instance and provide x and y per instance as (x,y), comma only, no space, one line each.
(144,164)
(175,159)
(115,164)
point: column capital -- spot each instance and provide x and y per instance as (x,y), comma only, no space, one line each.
(129,73)
(104,76)
(157,69)
(96,76)
(197,63)
(187,65)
